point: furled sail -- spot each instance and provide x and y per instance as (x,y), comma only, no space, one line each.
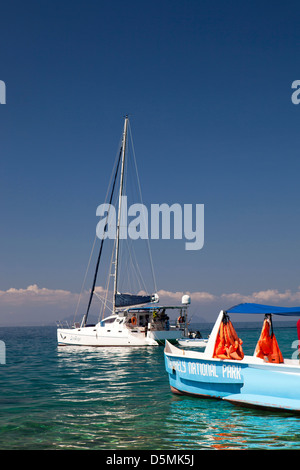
(127,300)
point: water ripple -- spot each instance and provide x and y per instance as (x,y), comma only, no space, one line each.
(117,398)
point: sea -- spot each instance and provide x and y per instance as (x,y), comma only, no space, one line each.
(73,398)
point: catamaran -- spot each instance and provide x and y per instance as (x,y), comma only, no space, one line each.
(134,319)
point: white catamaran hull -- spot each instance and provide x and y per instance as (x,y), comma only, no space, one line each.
(89,336)
(112,336)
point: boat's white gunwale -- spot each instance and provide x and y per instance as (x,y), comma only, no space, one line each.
(250,361)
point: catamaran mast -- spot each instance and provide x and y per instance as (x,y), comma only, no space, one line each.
(119,212)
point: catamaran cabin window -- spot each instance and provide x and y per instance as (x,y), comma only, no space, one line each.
(107,321)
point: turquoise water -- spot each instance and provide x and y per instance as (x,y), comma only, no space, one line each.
(119,398)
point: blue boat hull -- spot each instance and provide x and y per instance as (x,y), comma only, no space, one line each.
(250,382)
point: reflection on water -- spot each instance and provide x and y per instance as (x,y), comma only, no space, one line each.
(116,391)
(128,398)
(211,424)
(119,398)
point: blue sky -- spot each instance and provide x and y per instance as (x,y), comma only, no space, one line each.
(208,88)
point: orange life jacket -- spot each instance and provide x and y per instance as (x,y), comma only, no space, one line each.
(228,344)
(267,347)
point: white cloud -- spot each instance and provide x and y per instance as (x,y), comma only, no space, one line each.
(40,305)
(35,305)
(266,296)
(195,296)
(43,295)
(35,294)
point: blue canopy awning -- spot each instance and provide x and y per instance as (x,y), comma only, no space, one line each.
(249,308)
